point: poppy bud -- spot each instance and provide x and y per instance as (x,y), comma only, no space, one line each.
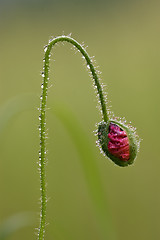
(118,142)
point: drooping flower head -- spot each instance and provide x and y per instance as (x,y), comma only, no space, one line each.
(118,142)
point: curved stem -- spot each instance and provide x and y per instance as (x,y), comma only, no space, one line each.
(42,117)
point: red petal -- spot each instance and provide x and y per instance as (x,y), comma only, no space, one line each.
(118,145)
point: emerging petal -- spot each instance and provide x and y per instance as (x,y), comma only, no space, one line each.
(118,142)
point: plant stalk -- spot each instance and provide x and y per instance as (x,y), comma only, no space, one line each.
(42,117)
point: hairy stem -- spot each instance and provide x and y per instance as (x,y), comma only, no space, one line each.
(42,117)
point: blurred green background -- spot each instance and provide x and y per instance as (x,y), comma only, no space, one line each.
(124,37)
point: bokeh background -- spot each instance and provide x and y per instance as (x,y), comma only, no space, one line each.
(109,202)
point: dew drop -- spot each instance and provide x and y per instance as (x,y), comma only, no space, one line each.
(42,86)
(50,40)
(45,48)
(42,74)
(88,66)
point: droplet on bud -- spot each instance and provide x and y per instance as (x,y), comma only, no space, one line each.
(118,142)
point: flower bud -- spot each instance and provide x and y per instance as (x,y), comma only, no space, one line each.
(118,142)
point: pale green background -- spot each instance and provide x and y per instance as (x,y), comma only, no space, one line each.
(124,37)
